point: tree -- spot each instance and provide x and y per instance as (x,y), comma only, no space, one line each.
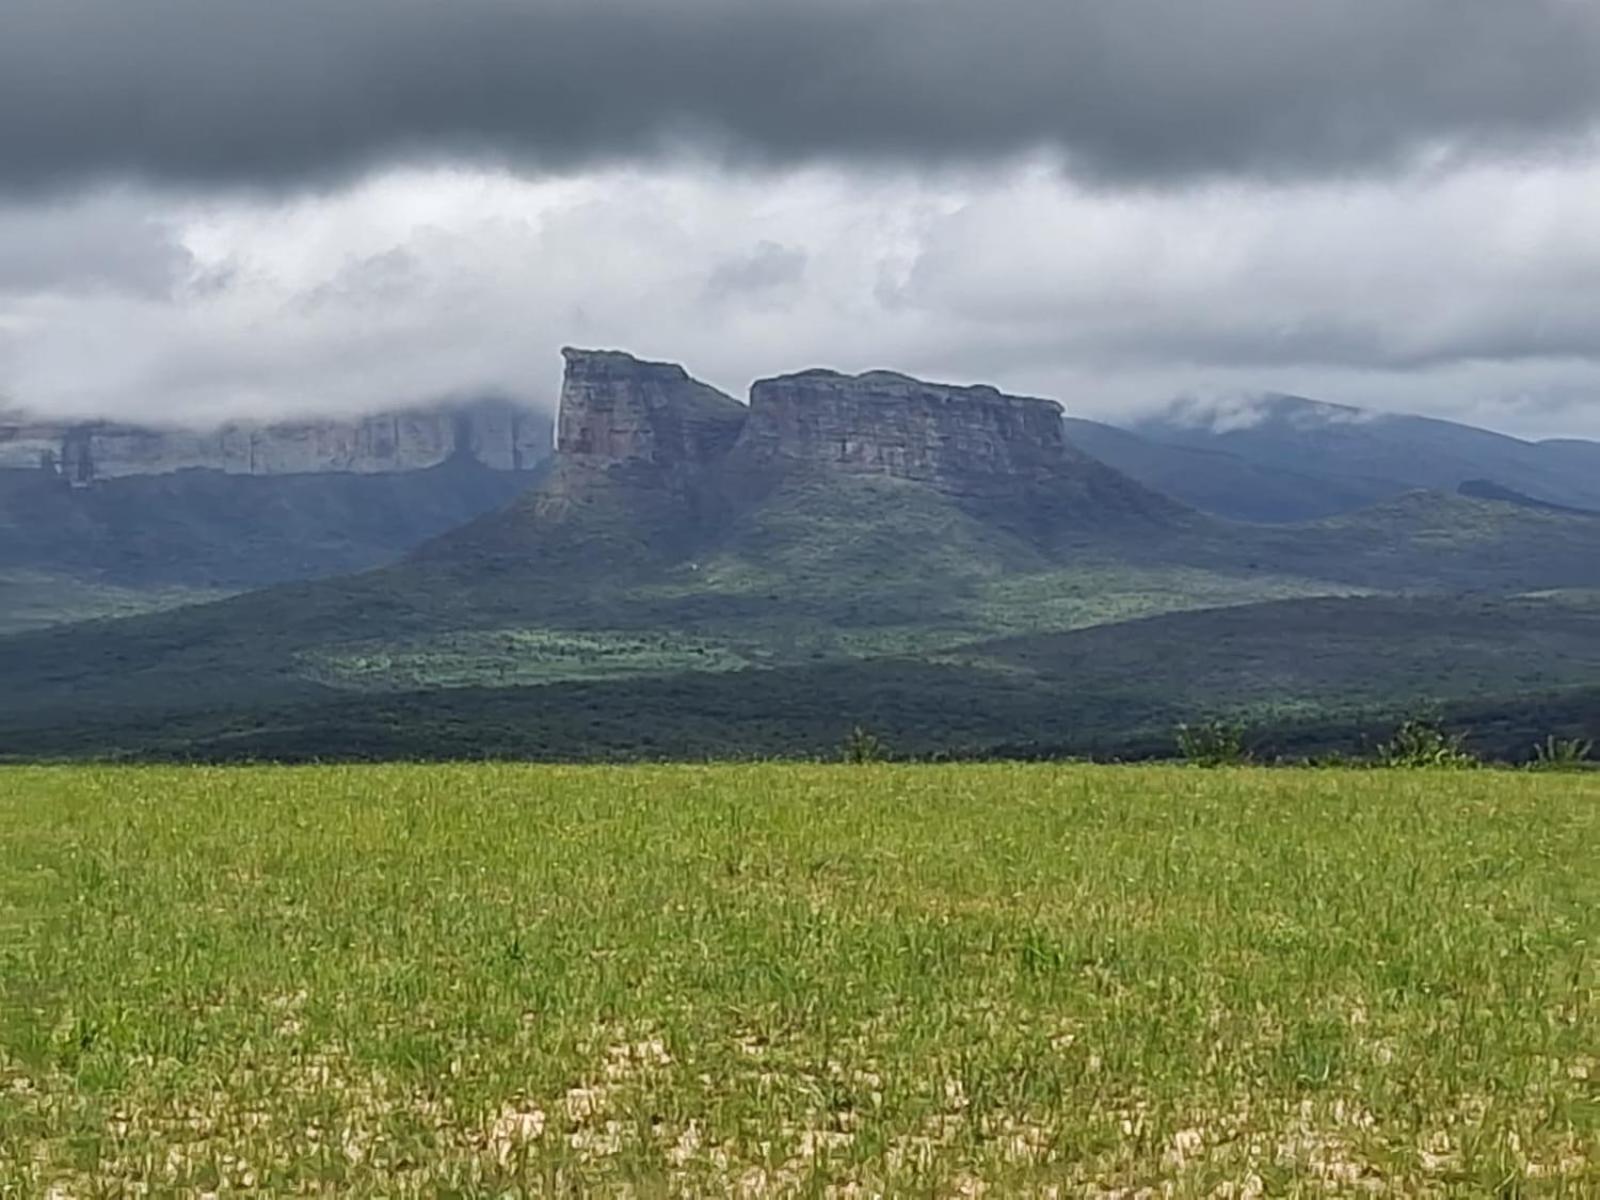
(1213,743)
(1422,742)
(862,747)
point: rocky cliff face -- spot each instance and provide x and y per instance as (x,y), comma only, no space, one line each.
(498,435)
(620,411)
(692,456)
(957,439)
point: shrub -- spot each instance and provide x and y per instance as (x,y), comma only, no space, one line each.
(863,747)
(1422,742)
(1561,754)
(1213,743)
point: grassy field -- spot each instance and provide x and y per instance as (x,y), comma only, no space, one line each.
(938,981)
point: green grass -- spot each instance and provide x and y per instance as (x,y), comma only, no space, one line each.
(777,980)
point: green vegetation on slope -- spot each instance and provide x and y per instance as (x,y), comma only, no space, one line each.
(821,569)
(694,981)
(32,599)
(1302,657)
(1306,675)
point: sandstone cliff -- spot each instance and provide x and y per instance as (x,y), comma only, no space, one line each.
(498,435)
(957,439)
(690,455)
(617,410)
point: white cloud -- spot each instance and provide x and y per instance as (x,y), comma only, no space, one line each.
(1467,293)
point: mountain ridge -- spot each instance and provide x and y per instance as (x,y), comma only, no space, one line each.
(500,435)
(1376,454)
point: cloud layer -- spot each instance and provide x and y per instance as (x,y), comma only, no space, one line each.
(219,208)
(1466,294)
(288,91)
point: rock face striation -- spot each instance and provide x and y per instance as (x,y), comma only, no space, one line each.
(959,440)
(495,434)
(617,410)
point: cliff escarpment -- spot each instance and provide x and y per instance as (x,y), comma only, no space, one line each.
(1004,456)
(496,435)
(959,440)
(617,410)
(619,413)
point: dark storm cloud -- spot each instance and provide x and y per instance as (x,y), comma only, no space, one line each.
(281,91)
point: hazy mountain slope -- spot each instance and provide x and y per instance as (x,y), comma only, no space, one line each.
(1485,489)
(1367,450)
(207,529)
(1423,541)
(1571,455)
(1217,482)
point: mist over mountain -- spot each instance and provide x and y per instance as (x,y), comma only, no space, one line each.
(1380,451)
(1283,458)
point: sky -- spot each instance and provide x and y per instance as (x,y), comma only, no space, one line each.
(214,209)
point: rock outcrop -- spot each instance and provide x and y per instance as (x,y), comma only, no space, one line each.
(620,411)
(692,457)
(498,435)
(956,439)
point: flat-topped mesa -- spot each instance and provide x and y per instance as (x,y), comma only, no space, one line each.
(960,439)
(620,411)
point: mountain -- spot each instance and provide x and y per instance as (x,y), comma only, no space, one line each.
(728,575)
(676,468)
(97,515)
(1376,455)
(1218,482)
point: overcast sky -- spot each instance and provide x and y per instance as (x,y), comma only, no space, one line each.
(221,208)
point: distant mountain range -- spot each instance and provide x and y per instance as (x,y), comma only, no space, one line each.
(964,569)
(1286,459)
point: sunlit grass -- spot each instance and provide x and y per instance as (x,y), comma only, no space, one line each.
(511,657)
(772,980)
